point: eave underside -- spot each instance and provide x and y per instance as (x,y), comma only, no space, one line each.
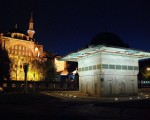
(75,56)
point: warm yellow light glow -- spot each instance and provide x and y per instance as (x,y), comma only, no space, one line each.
(36,49)
(64,72)
(1,89)
(38,54)
(60,65)
(148,69)
(75,71)
(33,75)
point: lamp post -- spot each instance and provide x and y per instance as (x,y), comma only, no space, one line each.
(17,67)
(34,84)
(35,58)
(25,67)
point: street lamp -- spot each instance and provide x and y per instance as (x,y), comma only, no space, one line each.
(35,58)
(17,66)
(25,67)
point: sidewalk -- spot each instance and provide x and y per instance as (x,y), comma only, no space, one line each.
(78,96)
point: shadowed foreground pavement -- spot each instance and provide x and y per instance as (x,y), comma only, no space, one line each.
(47,107)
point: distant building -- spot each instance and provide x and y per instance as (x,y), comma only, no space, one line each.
(22,48)
(60,65)
(107,67)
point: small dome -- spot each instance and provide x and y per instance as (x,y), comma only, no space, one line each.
(108,39)
(16,33)
(15,30)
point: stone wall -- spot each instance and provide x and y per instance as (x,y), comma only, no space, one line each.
(108,75)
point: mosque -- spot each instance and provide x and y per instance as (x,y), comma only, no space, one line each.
(107,67)
(22,48)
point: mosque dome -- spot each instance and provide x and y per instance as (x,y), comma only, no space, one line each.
(15,30)
(108,39)
(16,33)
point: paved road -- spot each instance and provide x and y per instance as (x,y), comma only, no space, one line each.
(60,108)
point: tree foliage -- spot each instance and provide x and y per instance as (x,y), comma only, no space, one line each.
(49,66)
(43,69)
(144,73)
(4,65)
(50,71)
(71,66)
(37,70)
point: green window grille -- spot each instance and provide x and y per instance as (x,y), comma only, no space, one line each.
(79,69)
(94,67)
(86,68)
(130,67)
(124,67)
(111,66)
(136,68)
(98,66)
(118,67)
(105,66)
(90,67)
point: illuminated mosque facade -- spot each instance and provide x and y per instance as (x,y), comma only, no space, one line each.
(107,67)
(22,48)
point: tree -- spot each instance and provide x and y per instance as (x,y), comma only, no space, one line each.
(49,67)
(4,64)
(43,69)
(144,72)
(37,70)
(71,66)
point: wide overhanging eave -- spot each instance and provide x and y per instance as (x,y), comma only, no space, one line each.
(75,56)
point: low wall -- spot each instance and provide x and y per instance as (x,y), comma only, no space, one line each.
(13,86)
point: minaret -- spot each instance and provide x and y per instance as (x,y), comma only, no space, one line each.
(31,29)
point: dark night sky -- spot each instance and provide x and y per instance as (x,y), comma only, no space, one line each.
(63,26)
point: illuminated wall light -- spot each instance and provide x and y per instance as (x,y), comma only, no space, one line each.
(74,96)
(38,54)
(70,95)
(60,65)
(138,97)
(36,49)
(1,89)
(146,97)
(141,93)
(61,94)
(130,98)
(116,99)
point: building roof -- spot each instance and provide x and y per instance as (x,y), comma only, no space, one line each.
(18,33)
(91,50)
(15,30)
(108,39)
